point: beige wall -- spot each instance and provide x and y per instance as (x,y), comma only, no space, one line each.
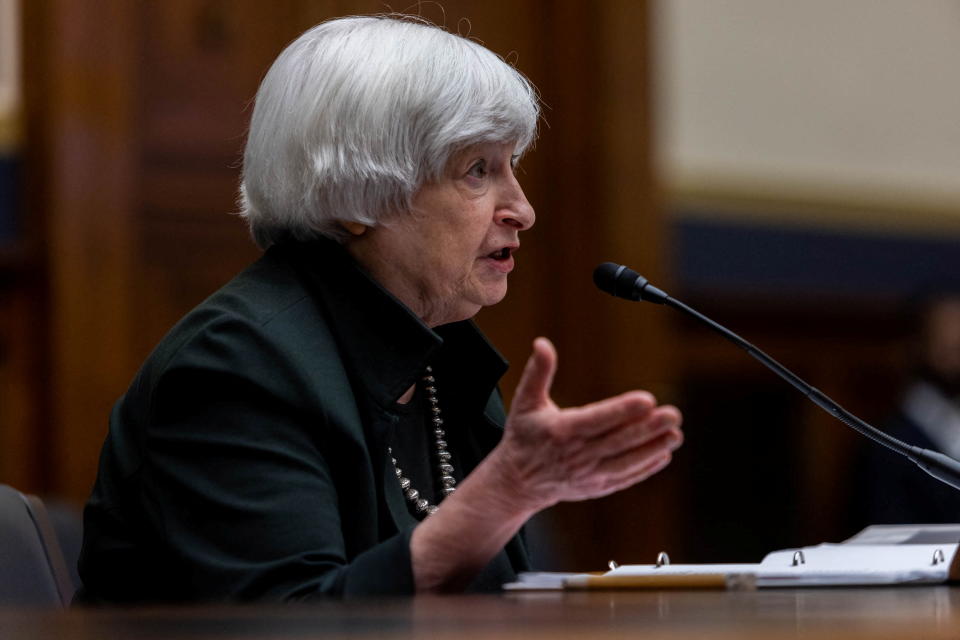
(838,102)
(9,72)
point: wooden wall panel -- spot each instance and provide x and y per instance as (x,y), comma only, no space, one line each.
(634,346)
(22,427)
(80,97)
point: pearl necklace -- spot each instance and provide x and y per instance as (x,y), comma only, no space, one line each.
(448,482)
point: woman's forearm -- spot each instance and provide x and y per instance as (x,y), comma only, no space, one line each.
(450,548)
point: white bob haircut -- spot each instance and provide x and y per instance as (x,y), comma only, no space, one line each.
(358,113)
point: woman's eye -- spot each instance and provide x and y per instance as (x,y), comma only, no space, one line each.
(478,169)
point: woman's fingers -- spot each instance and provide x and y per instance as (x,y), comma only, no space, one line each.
(533,390)
(633,476)
(626,437)
(551,454)
(597,418)
(627,468)
(627,462)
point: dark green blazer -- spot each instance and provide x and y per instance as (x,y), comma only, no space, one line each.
(248,458)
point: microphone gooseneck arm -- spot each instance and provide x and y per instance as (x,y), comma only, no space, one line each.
(622,282)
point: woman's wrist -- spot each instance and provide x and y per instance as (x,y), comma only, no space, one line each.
(503,473)
(471,526)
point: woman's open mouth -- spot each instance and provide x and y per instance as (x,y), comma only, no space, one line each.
(501,259)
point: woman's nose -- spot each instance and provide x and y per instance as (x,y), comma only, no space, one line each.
(516,211)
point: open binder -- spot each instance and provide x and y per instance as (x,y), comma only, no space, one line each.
(878,555)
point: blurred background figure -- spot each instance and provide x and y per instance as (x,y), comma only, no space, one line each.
(894,490)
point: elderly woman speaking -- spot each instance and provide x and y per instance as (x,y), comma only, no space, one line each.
(328,423)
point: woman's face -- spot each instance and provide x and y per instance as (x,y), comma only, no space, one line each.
(451,254)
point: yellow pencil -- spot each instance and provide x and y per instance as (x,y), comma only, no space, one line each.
(665,581)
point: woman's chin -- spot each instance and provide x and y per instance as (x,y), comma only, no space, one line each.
(493,292)
(467,309)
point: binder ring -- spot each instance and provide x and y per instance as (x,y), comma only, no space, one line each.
(938,557)
(798,558)
(613,564)
(663,559)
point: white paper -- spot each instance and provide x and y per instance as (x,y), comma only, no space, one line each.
(540,581)
(876,556)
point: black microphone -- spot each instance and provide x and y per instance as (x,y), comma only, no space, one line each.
(622,282)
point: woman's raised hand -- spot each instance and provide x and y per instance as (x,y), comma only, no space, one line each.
(546,455)
(549,454)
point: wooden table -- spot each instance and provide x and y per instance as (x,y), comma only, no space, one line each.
(905,612)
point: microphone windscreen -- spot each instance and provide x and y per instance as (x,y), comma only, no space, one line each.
(619,280)
(605,277)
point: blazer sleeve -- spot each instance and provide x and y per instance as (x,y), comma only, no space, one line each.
(238,488)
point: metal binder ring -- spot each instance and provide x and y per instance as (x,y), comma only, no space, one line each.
(938,557)
(613,564)
(798,558)
(663,559)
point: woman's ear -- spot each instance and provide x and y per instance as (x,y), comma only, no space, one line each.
(354,228)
